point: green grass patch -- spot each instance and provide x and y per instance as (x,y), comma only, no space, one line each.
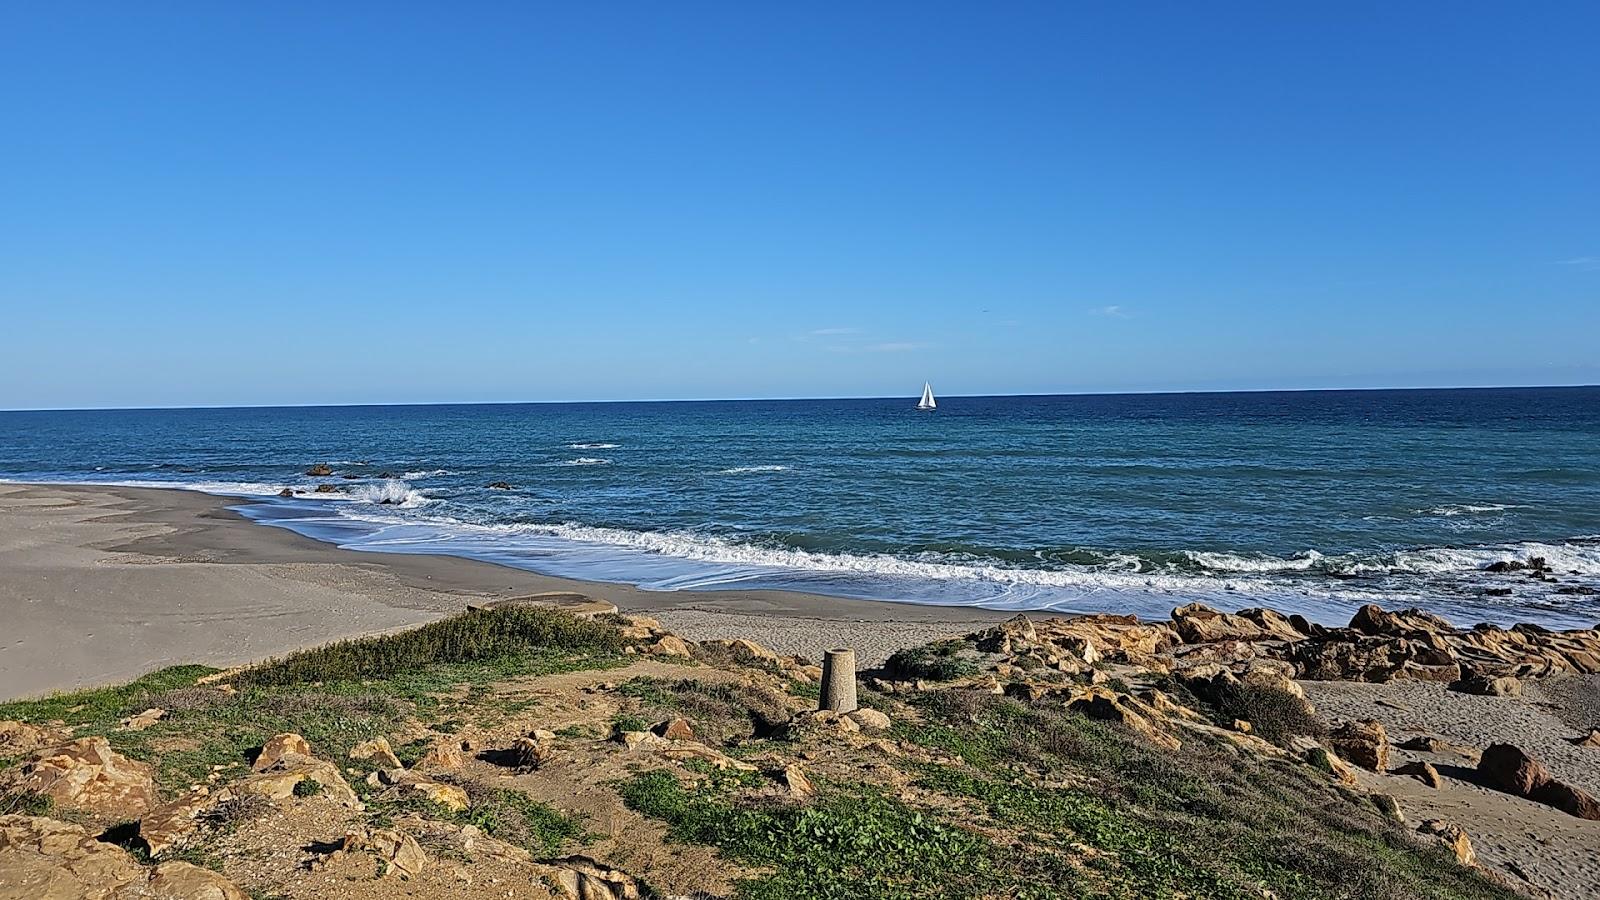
(718,710)
(941,661)
(104,706)
(502,813)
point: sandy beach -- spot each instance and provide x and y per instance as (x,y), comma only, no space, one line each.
(102,584)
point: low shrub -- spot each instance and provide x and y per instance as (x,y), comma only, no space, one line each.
(932,662)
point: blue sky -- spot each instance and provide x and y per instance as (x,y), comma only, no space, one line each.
(203,203)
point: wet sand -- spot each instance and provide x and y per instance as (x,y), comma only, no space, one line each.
(99,585)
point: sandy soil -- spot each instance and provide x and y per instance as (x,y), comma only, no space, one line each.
(1546,851)
(100,584)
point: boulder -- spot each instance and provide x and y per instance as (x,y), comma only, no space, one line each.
(286,492)
(795,781)
(43,859)
(1010,636)
(1571,800)
(141,721)
(279,746)
(405,781)
(1108,705)
(320,470)
(498,486)
(1197,623)
(1374,620)
(1423,772)
(443,756)
(1364,743)
(170,824)
(1489,686)
(869,719)
(675,730)
(671,645)
(326,489)
(533,751)
(1592,739)
(1452,838)
(376,751)
(87,774)
(278,782)
(581,878)
(1505,767)
(21,738)
(399,852)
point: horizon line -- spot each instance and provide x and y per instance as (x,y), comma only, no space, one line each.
(1150,393)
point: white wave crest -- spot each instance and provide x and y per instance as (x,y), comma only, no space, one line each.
(428,473)
(1468,509)
(749,470)
(389,492)
(596,446)
(1256,562)
(585,461)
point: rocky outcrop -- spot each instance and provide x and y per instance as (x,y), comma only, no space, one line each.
(87,774)
(44,859)
(1452,838)
(1197,623)
(320,470)
(399,853)
(403,782)
(21,738)
(582,878)
(376,751)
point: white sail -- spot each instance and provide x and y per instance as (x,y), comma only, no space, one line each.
(927,397)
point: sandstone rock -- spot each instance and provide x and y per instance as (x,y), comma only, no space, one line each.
(1242,726)
(376,751)
(670,645)
(406,781)
(531,752)
(279,746)
(632,739)
(675,730)
(400,852)
(320,470)
(89,775)
(43,859)
(1423,772)
(1197,623)
(1389,807)
(1108,705)
(141,721)
(1505,767)
(185,881)
(581,878)
(795,780)
(19,738)
(443,756)
(1319,758)
(684,750)
(1592,739)
(169,824)
(1371,619)
(1502,686)
(869,719)
(1453,838)
(278,782)
(1364,743)
(1571,800)
(1010,636)
(1424,742)
(326,489)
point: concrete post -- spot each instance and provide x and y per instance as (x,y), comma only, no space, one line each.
(839,681)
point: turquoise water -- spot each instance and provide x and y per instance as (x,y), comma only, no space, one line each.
(1314,502)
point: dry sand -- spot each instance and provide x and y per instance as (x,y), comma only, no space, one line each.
(1541,849)
(101,584)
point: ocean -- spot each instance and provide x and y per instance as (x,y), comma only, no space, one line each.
(1313,502)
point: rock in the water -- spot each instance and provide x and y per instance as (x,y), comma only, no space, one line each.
(1453,838)
(1364,743)
(327,489)
(499,486)
(320,470)
(286,492)
(376,751)
(87,774)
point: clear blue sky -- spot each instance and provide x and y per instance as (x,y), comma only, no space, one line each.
(223,203)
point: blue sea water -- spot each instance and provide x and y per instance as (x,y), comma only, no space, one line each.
(1314,502)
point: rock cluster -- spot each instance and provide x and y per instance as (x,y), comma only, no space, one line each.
(44,859)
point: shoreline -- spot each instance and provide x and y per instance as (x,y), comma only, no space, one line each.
(107,583)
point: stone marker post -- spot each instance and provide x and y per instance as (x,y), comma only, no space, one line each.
(839,681)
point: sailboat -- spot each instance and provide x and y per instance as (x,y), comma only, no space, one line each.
(927,397)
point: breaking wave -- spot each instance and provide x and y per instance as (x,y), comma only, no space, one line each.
(389,492)
(596,446)
(749,470)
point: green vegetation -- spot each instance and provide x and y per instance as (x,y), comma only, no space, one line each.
(1273,713)
(942,661)
(476,636)
(336,696)
(719,710)
(1046,803)
(309,787)
(508,815)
